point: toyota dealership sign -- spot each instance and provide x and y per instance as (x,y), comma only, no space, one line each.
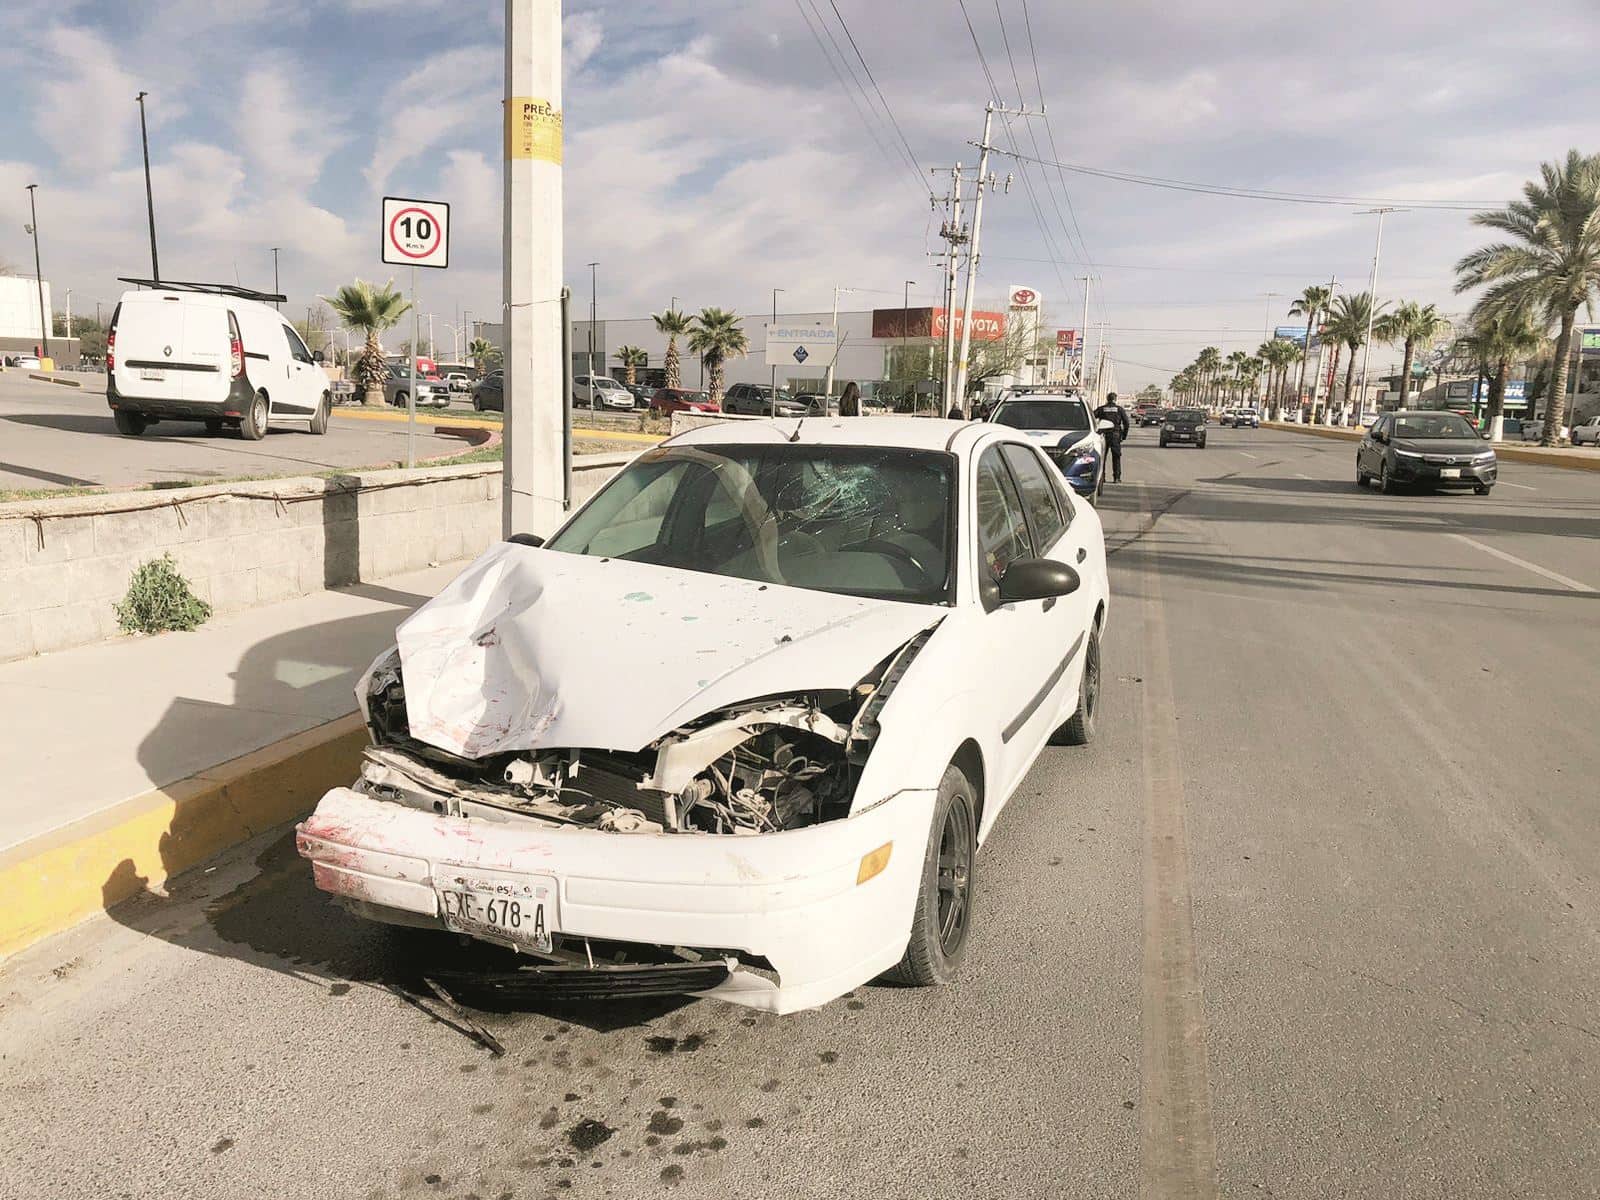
(1024,297)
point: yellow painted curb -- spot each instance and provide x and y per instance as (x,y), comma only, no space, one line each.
(615,435)
(60,878)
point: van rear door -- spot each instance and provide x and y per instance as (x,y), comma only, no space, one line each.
(206,344)
(171,348)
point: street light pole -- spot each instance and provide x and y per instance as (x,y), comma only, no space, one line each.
(38,273)
(827,382)
(592,318)
(1083,335)
(773,365)
(149,194)
(1372,308)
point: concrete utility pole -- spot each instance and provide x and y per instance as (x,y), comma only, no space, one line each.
(955,236)
(38,273)
(1372,308)
(149,195)
(533,486)
(1083,333)
(827,386)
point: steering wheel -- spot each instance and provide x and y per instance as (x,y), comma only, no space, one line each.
(894,550)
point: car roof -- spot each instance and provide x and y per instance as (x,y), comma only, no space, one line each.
(904,432)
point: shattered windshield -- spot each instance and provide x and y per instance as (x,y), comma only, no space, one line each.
(861,521)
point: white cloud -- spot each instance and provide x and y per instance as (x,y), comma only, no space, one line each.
(581,36)
(453,92)
(86,101)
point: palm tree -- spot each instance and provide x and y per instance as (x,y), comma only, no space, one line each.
(1348,319)
(1310,304)
(672,323)
(1277,353)
(1238,370)
(1208,362)
(715,336)
(1416,325)
(632,358)
(1551,268)
(483,353)
(1498,341)
(371,310)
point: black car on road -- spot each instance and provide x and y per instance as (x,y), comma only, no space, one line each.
(489,393)
(1186,425)
(1425,448)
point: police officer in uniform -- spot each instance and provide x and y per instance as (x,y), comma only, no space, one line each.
(1113,412)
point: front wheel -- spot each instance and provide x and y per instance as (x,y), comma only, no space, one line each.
(319,419)
(1163,443)
(1385,484)
(129,424)
(943,916)
(400,399)
(1079,729)
(1362,478)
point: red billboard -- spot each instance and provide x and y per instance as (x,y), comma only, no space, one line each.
(931,322)
(1066,339)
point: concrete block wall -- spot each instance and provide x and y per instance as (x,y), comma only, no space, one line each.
(64,564)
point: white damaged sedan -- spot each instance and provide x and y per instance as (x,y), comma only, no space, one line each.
(740,726)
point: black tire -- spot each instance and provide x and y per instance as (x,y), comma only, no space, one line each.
(1385,484)
(213,425)
(477,404)
(943,918)
(1079,728)
(1482,489)
(400,399)
(253,425)
(319,419)
(1163,443)
(129,424)
(1362,478)
(1201,444)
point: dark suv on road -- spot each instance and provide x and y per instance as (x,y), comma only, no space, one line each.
(1426,448)
(1186,425)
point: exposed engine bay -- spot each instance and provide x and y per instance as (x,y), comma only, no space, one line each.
(761,767)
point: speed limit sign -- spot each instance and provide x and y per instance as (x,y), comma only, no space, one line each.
(416,233)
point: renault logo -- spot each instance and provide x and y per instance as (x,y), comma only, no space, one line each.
(167,350)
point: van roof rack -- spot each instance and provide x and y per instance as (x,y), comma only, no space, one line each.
(218,289)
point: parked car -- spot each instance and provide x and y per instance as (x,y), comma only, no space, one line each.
(767,821)
(1061,425)
(641,393)
(489,393)
(210,354)
(1588,433)
(1186,425)
(1428,448)
(670,400)
(431,393)
(816,403)
(601,391)
(28,362)
(755,400)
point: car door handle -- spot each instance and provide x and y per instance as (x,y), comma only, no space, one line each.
(1083,553)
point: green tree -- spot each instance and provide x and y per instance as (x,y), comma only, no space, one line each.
(1278,354)
(1310,304)
(369,310)
(632,358)
(1416,326)
(1551,268)
(716,336)
(1348,319)
(484,354)
(1497,341)
(674,324)
(1237,374)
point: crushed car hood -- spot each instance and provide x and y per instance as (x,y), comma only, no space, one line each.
(530,648)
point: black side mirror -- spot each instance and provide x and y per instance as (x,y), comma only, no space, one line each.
(526,539)
(1036,579)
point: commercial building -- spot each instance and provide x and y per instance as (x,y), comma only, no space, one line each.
(20,331)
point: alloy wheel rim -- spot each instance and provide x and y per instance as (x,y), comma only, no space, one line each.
(1091,685)
(955,875)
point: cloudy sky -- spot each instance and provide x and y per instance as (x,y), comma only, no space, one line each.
(713,153)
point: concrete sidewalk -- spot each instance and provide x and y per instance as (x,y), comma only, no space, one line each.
(131,760)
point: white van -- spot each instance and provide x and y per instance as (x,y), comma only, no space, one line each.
(213,353)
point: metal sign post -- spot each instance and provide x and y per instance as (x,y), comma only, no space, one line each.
(416,233)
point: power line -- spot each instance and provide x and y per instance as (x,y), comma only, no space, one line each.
(866,119)
(889,112)
(1243,193)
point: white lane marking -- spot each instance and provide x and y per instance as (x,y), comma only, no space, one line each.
(1247,454)
(1526,565)
(1523,486)
(1297,475)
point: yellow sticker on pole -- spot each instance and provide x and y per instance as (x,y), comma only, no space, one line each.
(533,129)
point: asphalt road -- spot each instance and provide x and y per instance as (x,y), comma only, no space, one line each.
(53,436)
(1317,916)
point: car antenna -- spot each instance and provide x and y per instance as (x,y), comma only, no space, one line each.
(795,436)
